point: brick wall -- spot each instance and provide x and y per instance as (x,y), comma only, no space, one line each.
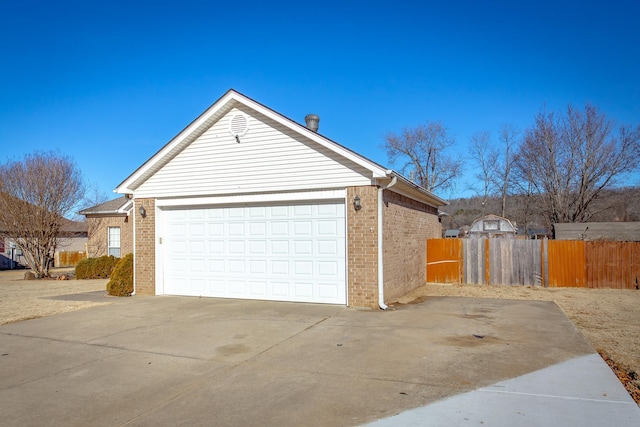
(98,240)
(145,247)
(362,247)
(407,224)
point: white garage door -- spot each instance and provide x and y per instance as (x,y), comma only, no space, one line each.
(290,252)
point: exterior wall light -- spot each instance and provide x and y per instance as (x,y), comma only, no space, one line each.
(356,203)
(143,212)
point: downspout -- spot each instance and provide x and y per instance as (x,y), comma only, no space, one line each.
(381,303)
(133,215)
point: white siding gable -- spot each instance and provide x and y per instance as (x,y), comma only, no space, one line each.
(269,158)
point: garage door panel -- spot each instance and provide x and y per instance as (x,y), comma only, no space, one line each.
(328,248)
(303,268)
(302,228)
(236,266)
(279,247)
(328,269)
(327,291)
(237,287)
(259,289)
(257,247)
(216,266)
(302,290)
(290,253)
(258,267)
(280,267)
(215,287)
(216,247)
(303,247)
(236,247)
(196,266)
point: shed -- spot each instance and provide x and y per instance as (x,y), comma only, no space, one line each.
(492,226)
(247,203)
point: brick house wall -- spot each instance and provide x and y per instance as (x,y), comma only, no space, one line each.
(98,239)
(362,247)
(407,224)
(145,247)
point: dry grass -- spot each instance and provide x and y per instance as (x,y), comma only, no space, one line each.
(608,318)
(29,299)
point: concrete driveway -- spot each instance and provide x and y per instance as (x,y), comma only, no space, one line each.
(198,361)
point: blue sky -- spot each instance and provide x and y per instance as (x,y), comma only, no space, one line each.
(109,83)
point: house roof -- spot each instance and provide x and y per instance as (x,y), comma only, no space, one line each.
(73,227)
(120,206)
(618,231)
(233,99)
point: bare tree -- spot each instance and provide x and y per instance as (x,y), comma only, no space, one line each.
(502,166)
(571,158)
(35,196)
(485,156)
(421,153)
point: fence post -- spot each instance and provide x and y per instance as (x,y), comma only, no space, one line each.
(487,262)
(545,262)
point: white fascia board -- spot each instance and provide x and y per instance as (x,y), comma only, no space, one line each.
(126,208)
(412,187)
(253,198)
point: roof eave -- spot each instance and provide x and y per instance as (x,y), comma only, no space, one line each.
(414,188)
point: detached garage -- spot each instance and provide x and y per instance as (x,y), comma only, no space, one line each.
(246,203)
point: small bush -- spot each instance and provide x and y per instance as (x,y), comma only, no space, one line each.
(121,283)
(96,268)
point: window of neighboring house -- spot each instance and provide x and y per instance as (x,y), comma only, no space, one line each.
(114,241)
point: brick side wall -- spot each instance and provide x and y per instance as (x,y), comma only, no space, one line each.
(407,224)
(98,240)
(362,247)
(145,247)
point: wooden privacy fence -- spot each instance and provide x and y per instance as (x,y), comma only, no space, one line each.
(554,263)
(68,259)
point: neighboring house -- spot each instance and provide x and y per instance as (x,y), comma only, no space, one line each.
(110,228)
(492,226)
(72,238)
(616,231)
(246,203)
(538,233)
(452,234)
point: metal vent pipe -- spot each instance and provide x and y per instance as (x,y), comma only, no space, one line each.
(312,121)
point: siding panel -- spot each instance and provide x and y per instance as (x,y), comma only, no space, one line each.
(269,157)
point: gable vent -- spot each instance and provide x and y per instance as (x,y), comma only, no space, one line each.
(238,125)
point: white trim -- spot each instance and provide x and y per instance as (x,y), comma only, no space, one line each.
(126,208)
(158,248)
(135,256)
(254,198)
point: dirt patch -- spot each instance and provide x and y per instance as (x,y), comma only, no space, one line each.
(607,318)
